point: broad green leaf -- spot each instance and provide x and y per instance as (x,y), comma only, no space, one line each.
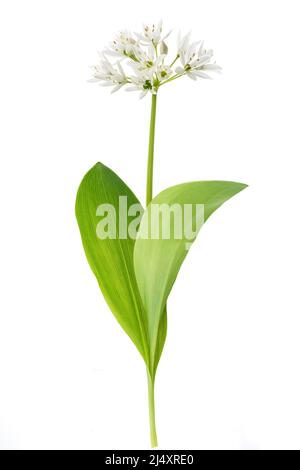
(157,260)
(111,260)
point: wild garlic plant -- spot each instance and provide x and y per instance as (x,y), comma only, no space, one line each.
(136,253)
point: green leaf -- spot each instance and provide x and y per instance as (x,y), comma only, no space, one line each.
(157,260)
(111,260)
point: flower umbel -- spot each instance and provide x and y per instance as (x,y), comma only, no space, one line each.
(146,64)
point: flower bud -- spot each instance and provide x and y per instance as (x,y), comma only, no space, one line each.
(163,48)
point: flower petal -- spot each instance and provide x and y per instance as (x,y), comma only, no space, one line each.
(117,87)
(212,67)
(191,75)
(201,74)
(132,88)
(143,94)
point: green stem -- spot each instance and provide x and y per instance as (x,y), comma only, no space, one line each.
(149,190)
(151,401)
(177,57)
(151,152)
(178,75)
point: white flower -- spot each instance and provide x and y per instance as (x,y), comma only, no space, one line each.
(163,72)
(147,59)
(143,81)
(146,63)
(152,34)
(108,75)
(195,60)
(152,64)
(124,45)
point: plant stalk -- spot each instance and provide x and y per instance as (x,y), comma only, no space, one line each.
(151,401)
(149,195)
(149,188)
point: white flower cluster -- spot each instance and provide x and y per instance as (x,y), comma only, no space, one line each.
(146,60)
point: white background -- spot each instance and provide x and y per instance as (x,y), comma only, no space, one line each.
(229,375)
